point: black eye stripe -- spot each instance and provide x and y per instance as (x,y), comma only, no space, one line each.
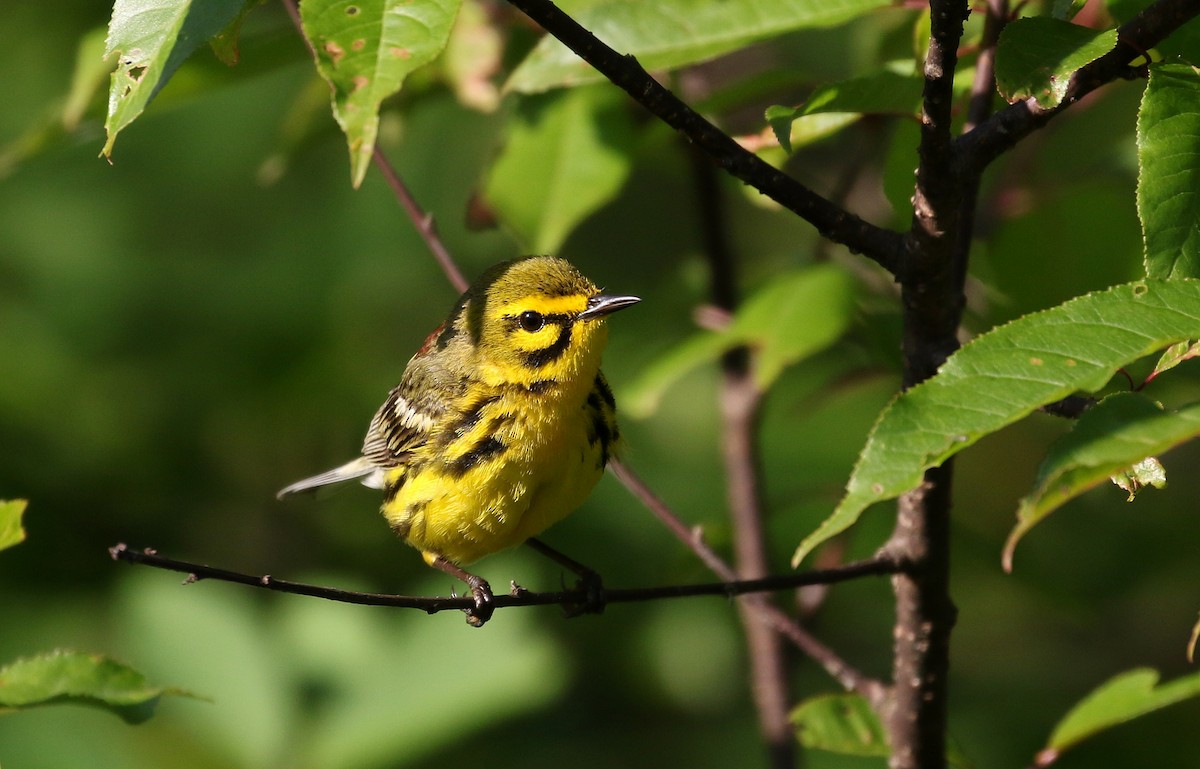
(513,322)
(551,353)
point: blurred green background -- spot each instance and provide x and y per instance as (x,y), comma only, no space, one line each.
(179,339)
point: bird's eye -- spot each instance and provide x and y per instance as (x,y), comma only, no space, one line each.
(531,321)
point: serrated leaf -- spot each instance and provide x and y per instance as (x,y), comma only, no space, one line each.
(1115,435)
(1005,375)
(795,316)
(882,93)
(1168,193)
(667,34)
(1123,698)
(840,723)
(11,530)
(153,37)
(1037,56)
(364,50)
(86,679)
(568,154)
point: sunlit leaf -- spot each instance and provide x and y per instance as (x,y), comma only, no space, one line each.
(1168,193)
(883,92)
(795,316)
(88,679)
(1036,57)
(667,34)
(365,49)
(1147,472)
(152,38)
(1005,375)
(11,531)
(840,723)
(567,155)
(1112,438)
(1122,698)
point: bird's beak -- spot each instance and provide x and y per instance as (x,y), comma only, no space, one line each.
(603,304)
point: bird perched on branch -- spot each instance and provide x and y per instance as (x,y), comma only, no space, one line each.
(502,422)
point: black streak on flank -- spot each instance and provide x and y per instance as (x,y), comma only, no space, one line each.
(539,358)
(483,450)
(605,391)
(469,419)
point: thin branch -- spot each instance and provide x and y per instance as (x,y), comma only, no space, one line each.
(833,222)
(1006,128)
(518,597)
(421,220)
(845,674)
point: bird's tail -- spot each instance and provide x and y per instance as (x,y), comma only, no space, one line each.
(359,469)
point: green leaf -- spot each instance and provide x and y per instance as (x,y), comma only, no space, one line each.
(1147,472)
(1122,698)
(1109,439)
(1175,354)
(1006,374)
(797,315)
(1066,9)
(568,154)
(1168,193)
(1037,56)
(88,679)
(11,531)
(1184,41)
(840,723)
(364,50)
(883,93)
(153,37)
(667,34)
(224,44)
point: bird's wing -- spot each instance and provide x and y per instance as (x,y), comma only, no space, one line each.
(410,415)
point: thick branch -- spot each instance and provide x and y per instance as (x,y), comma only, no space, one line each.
(932,297)
(876,243)
(1006,128)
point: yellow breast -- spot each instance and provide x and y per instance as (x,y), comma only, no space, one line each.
(516,461)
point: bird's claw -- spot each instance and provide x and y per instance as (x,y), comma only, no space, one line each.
(481,591)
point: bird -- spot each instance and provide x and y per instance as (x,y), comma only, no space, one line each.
(501,425)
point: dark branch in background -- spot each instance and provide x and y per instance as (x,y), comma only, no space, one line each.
(845,674)
(518,597)
(1003,130)
(833,222)
(740,400)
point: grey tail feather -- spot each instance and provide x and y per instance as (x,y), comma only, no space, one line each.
(358,468)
